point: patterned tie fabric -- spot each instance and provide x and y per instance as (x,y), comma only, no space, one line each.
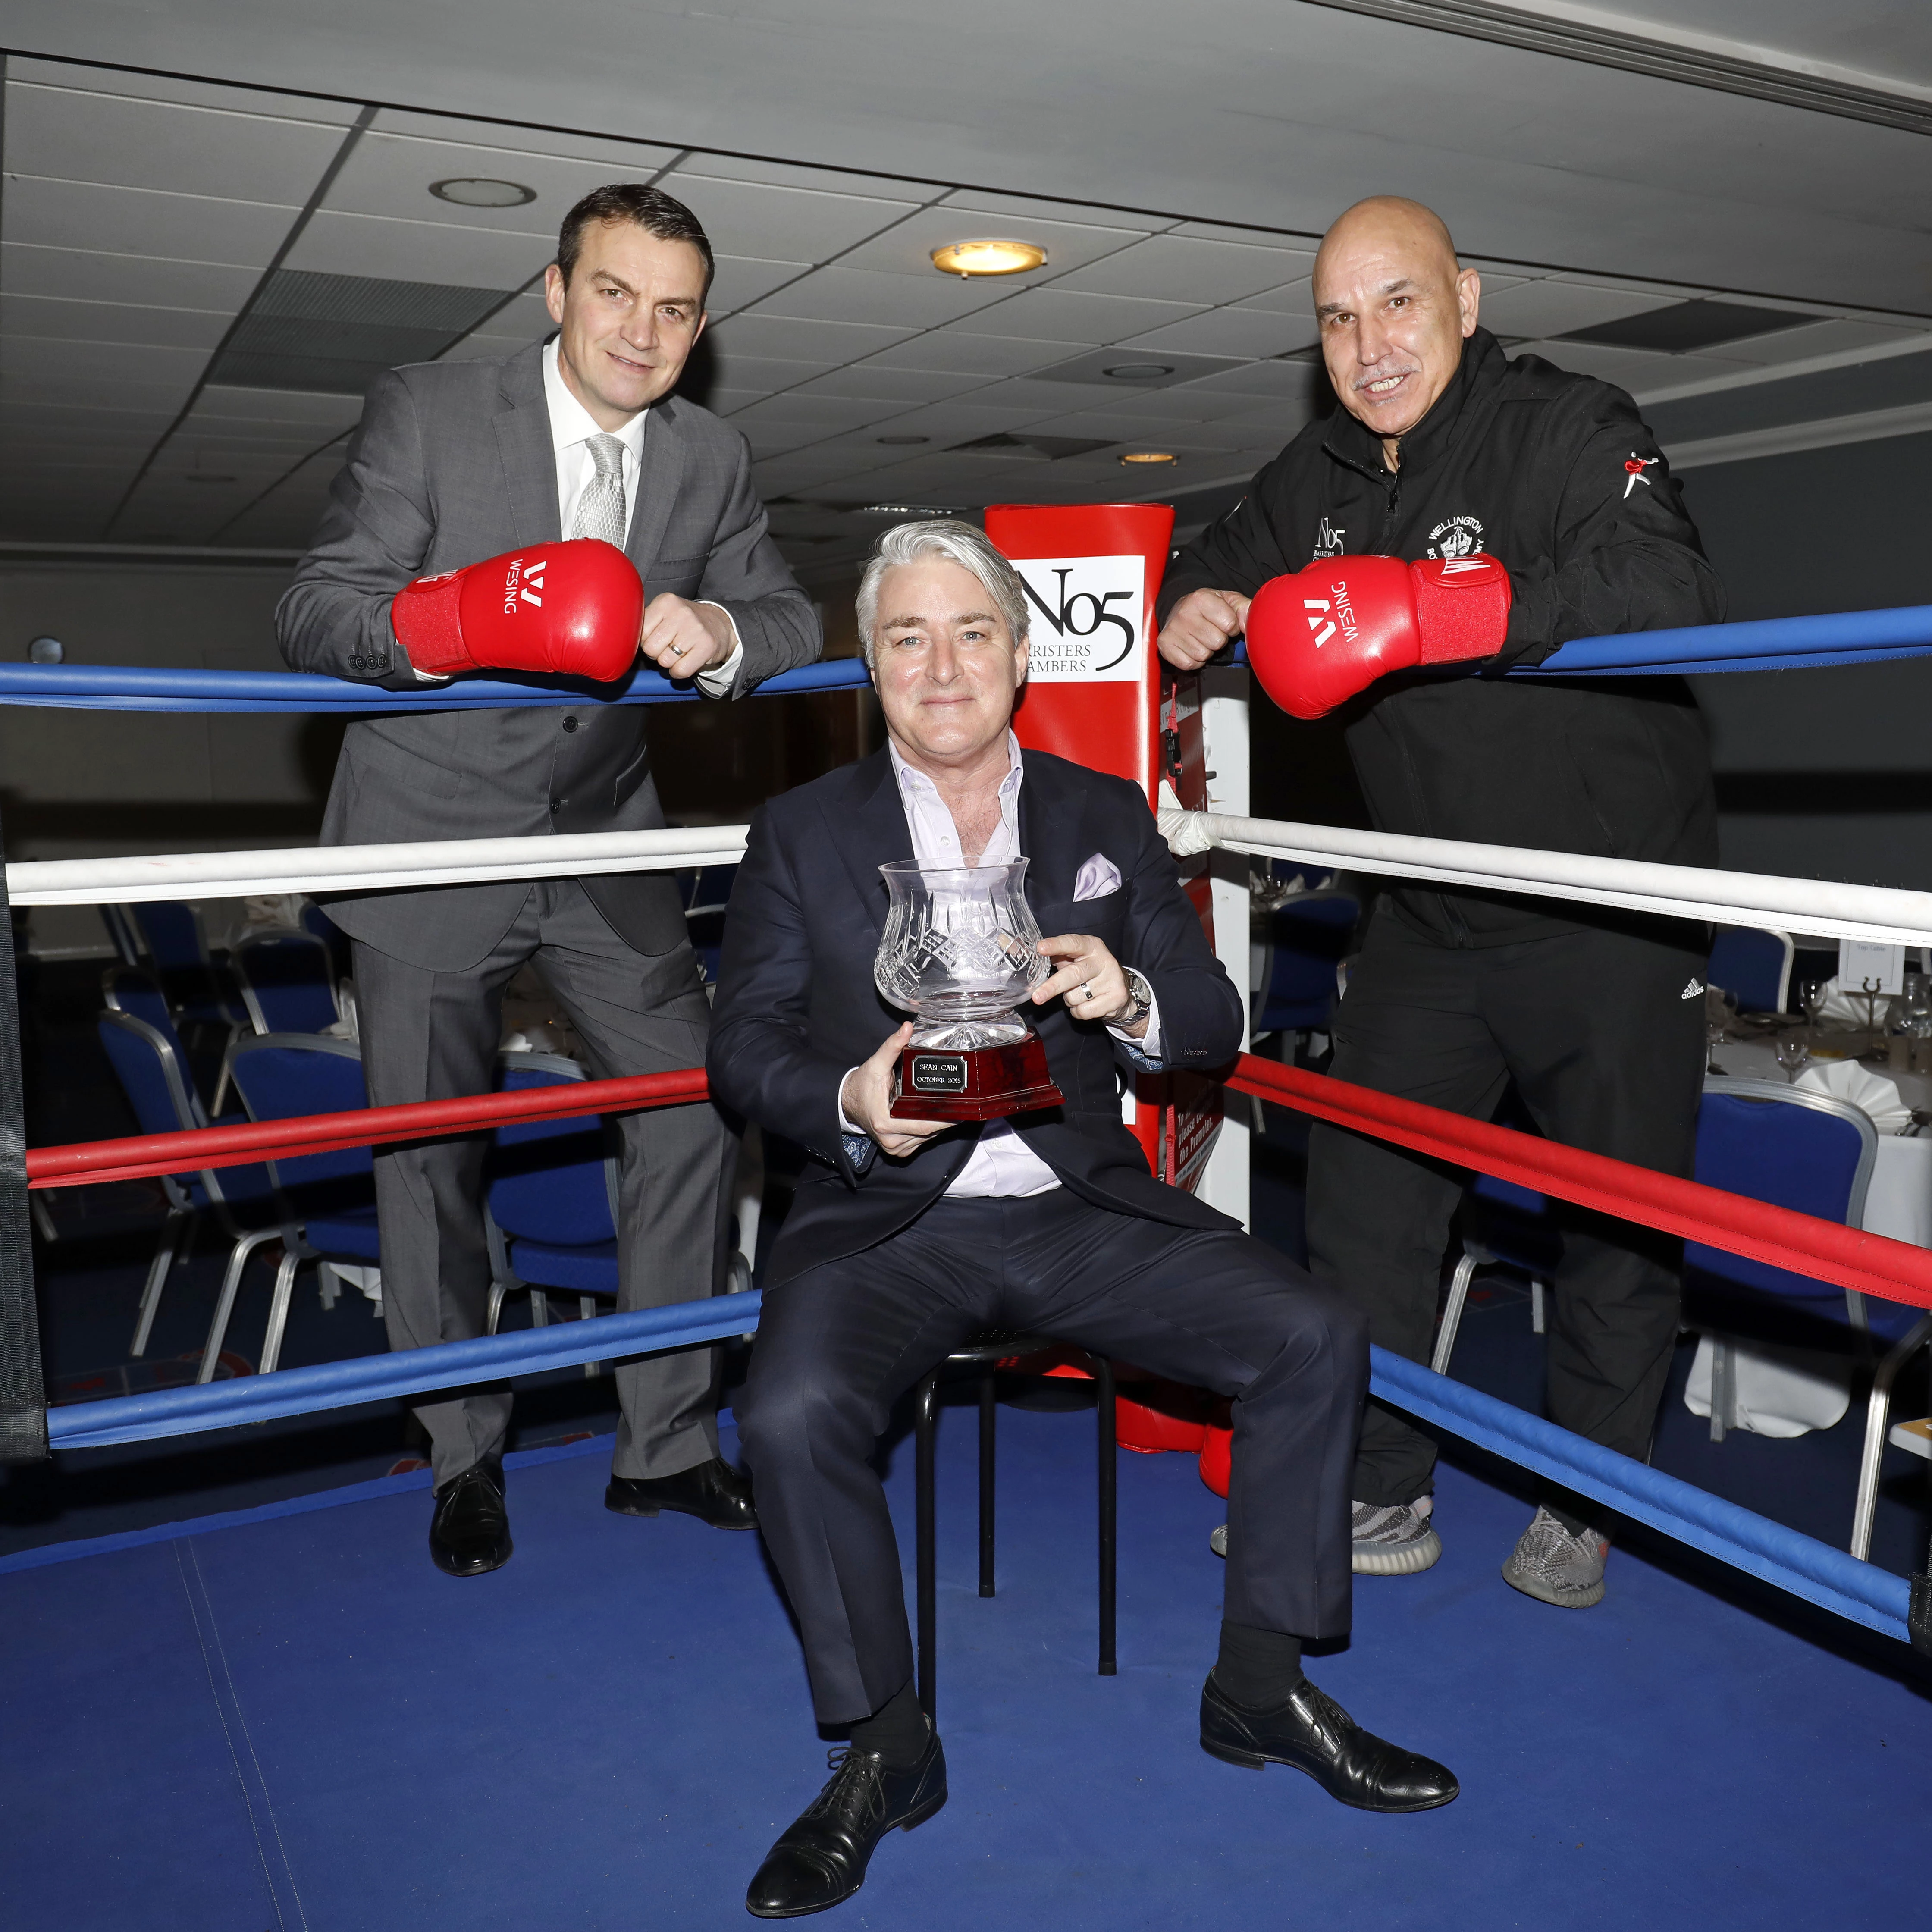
(600,510)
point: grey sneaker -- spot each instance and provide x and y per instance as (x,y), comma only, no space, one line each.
(1395,1540)
(1550,1564)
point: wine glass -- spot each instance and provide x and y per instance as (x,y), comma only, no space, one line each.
(1812,995)
(1794,1050)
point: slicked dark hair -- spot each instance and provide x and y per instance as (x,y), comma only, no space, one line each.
(655,212)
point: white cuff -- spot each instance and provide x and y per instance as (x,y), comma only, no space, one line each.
(718,681)
(845,1126)
(1149,1043)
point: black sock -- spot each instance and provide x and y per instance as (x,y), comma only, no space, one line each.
(1257,1668)
(897,1730)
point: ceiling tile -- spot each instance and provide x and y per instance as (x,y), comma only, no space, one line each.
(479,347)
(1176,267)
(739,282)
(1816,338)
(779,476)
(79,274)
(218,402)
(110,321)
(1295,298)
(1295,379)
(906,249)
(621,160)
(1555,308)
(125,143)
(1057,210)
(824,416)
(1063,315)
(719,366)
(1228,332)
(960,421)
(81,364)
(776,224)
(132,221)
(419,251)
(1636,370)
(870,379)
(390,174)
(523,316)
(842,294)
(26,71)
(826,342)
(953,351)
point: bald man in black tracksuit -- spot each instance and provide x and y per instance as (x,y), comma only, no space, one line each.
(1596,1017)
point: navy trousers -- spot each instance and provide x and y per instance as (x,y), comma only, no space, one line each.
(838,1345)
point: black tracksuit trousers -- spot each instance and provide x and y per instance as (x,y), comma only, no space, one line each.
(1602,1031)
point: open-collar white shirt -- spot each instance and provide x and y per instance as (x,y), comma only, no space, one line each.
(1001,1163)
(571,427)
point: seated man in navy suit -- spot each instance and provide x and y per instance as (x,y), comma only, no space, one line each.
(906,1235)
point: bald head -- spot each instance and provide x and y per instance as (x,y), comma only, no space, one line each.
(1394,306)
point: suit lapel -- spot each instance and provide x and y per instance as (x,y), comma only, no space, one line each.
(871,831)
(529,457)
(1052,821)
(660,472)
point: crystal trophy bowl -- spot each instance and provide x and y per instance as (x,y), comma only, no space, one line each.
(961,952)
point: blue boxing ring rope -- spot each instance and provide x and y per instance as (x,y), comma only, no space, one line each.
(1774,644)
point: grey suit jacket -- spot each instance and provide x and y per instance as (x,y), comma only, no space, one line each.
(453,463)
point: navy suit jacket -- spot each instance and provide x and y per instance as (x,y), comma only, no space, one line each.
(796,1008)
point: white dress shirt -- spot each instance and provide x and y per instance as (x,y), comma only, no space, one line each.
(1001,1164)
(571,427)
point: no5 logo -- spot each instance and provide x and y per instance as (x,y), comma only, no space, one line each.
(1088,619)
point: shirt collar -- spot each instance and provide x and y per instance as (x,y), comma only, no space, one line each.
(570,423)
(910,780)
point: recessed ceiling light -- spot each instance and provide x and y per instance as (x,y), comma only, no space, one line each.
(1149,456)
(968,259)
(899,440)
(479,191)
(1139,372)
(910,510)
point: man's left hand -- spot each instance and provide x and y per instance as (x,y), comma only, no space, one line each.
(1090,978)
(682,639)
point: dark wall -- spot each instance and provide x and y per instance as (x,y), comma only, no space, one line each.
(1823,774)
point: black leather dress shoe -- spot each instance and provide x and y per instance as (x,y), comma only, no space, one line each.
(714,1490)
(820,1860)
(1313,1733)
(469,1533)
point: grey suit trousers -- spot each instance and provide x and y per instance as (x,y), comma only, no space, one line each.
(429,1036)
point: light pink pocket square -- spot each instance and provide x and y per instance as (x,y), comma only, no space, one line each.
(1098,877)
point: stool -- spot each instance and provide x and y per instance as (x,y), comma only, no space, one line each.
(985,1350)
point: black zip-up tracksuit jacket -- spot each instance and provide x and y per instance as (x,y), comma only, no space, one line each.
(1557,475)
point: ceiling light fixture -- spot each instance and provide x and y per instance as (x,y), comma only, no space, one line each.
(1149,456)
(897,442)
(969,259)
(910,510)
(1139,372)
(479,191)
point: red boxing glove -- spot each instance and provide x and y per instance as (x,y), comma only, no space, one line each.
(572,609)
(1317,637)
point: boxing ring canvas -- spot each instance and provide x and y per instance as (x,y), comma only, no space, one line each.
(296,1723)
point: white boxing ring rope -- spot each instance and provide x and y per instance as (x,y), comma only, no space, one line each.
(1827,908)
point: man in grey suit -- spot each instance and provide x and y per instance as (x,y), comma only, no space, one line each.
(455,462)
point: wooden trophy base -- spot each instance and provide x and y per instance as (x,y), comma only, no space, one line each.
(984,1084)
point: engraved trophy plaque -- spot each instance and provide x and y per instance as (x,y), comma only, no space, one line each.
(960,951)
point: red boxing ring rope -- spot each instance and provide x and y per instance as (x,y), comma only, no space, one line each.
(1846,1257)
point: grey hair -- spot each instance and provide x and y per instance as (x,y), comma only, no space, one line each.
(957,543)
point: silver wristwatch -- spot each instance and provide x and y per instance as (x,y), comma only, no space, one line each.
(1141,995)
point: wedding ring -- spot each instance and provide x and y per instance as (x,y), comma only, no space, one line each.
(1087,991)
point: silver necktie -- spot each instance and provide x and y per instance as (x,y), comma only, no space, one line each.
(600,510)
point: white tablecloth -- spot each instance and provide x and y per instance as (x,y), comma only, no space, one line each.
(1788,1391)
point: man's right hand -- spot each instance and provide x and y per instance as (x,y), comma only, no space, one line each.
(866,1098)
(570,610)
(1203,623)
